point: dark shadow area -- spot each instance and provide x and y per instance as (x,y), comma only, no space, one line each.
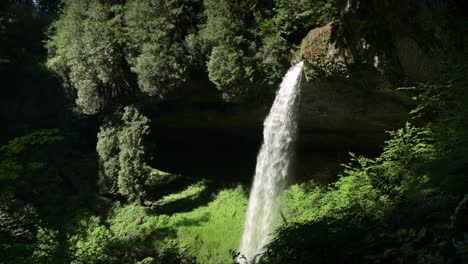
(321,242)
(205,153)
(224,159)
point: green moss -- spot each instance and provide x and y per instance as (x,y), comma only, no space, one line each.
(319,69)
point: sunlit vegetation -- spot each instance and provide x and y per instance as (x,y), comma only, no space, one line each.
(378,204)
(82,179)
(208,232)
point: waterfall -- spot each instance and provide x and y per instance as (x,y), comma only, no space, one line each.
(272,170)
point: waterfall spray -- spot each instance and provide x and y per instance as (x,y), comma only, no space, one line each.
(272,170)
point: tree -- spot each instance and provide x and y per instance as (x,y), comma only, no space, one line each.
(110,51)
(225,37)
(157,50)
(132,176)
(227,69)
(86,49)
(122,156)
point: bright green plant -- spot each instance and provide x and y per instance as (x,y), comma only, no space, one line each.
(352,197)
(92,242)
(208,232)
(399,170)
(368,186)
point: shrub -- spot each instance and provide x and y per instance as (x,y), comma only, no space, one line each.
(122,156)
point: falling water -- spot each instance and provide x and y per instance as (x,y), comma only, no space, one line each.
(271,173)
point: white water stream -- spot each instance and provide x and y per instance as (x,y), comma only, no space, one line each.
(273,167)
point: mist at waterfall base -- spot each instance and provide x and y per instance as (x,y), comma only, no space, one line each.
(272,169)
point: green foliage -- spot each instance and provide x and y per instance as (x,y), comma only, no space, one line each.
(273,56)
(18,157)
(353,219)
(92,243)
(91,240)
(121,151)
(15,16)
(226,21)
(338,241)
(292,20)
(31,102)
(227,69)
(212,240)
(47,246)
(242,45)
(322,241)
(96,45)
(157,52)
(38,138)
(18,224)
(16,218)
(249,42)
(122,156)
(85,49)
(369,187)
(132,176)
(444,106)
(25,163)
(400,201)
(393,208)
(399,170)
(283,26)
(208,232)
(225,38)
(352,197)
(108,150)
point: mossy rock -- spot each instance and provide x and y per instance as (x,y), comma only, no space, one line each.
(323,53)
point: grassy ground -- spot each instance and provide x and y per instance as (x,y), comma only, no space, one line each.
(210,232)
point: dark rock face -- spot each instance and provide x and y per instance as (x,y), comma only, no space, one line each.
(350,112)
(356,64)
(348,99)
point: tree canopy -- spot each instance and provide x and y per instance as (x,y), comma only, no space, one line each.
(110,50)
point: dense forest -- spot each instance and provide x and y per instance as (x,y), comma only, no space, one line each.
(130,129)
